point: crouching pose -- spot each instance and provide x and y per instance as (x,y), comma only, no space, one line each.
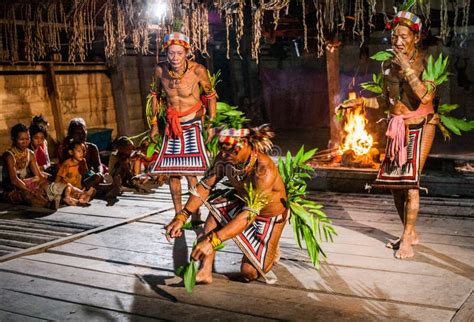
(256,224)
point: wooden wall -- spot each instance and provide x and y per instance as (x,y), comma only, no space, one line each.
(135,88)
(84,90)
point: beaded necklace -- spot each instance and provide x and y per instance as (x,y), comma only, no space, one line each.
(176,77)
(244,172)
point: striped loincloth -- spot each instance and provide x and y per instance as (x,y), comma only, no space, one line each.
(259,240)
(408,176)
(183,155)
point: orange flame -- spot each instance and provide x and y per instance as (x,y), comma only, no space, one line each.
(357,138)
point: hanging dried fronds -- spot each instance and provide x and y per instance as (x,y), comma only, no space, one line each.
(465,22)
(77,31)
(239,25)
(12,35)
(257,21)
(121,32)
(53,28)
(372,12)
(320,40)
(358,28)
(40,48)
(305,26)
(444,28)
(109,31)
(28,29)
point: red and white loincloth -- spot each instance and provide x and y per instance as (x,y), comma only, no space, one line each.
(184,154)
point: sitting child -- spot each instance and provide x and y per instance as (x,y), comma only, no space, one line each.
(144,161)
(72,172)
(22,179)
(39,146)
(120,166)
(77,131)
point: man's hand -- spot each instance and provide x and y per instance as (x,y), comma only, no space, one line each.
(401,60)
(210,134)
(173,229)
(202,249)
(154,133)
(348,104)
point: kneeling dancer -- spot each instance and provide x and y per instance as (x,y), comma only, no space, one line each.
(243,159)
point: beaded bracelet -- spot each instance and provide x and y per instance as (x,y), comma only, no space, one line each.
(213,239)
(183,215)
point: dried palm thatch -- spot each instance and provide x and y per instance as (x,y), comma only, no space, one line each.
(43,26)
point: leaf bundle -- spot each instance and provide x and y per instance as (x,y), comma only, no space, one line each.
(309,222)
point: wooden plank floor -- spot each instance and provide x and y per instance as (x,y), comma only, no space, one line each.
(125,270)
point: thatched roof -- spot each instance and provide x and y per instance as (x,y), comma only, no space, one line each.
(35,30)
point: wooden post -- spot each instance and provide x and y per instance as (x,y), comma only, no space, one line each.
(120,99)
(332,65)
(52,87)
(143,86)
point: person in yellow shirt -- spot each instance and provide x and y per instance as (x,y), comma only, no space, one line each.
(72,171)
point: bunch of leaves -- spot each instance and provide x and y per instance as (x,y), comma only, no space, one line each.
(407,5)
(376,86)
(253,199)
(383,55)
(226,117)
(436,71)
(455,125)
(189,271)
(214,78)
(309,222)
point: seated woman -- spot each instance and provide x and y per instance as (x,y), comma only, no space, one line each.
(22,179)
(72,173)
(77,131)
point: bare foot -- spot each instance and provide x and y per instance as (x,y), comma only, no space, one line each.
(405,250)
(203,277)
(70,201)
(87,195)
(395,244)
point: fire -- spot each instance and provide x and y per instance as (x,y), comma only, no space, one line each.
(357,139)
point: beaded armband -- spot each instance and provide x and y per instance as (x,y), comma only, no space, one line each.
(183,215)
(211,95)
(213,239)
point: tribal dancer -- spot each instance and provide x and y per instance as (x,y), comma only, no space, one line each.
(243,159)
(183,152)
(411,127)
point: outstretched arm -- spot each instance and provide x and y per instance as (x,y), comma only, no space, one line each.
(203,188)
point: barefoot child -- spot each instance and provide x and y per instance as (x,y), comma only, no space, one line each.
(120,166)
(72,171)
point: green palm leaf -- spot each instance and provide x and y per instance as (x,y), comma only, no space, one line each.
(308,221)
